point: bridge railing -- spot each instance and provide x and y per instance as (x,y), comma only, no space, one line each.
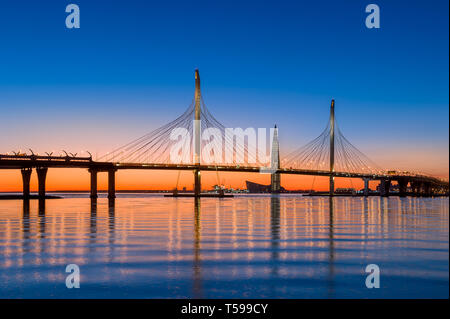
(26,157)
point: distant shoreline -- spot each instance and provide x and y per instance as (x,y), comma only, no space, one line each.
(7,197)
(100,191)
(145,191)
(19,196)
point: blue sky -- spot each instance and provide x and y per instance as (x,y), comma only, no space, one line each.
(129,68)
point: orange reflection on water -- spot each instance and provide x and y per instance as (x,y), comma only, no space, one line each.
(245,246)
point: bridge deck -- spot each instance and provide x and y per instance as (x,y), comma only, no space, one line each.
(30,161)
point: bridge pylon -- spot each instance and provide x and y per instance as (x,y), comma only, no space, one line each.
(332,148)
(197,134)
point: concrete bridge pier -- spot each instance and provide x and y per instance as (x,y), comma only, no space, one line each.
(366,186)
(197,183)
(42,176)
(427,189)
(385,185)
(415,188)
(402,185)
(93,173)
(421,188)
(111,183)
(331,185)
(26,176)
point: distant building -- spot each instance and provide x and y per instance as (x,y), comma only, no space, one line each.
(260,188)
(345,191)
(219,188)
(393,188)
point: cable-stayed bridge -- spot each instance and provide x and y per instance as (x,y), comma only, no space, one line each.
(196,141)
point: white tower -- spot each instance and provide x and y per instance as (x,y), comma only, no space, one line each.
(275,178)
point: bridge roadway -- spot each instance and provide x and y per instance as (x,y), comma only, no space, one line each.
(27,162)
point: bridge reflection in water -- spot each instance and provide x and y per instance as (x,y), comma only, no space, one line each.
(248,246)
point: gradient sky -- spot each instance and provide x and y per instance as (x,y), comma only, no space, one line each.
(129,69)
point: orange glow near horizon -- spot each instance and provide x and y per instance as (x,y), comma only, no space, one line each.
(63,179)
(75,179)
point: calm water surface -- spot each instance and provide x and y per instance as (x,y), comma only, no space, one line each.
(148,246)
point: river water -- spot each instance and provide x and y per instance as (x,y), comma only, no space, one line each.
(148,246)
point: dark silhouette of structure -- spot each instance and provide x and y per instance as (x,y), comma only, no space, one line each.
(150,152)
